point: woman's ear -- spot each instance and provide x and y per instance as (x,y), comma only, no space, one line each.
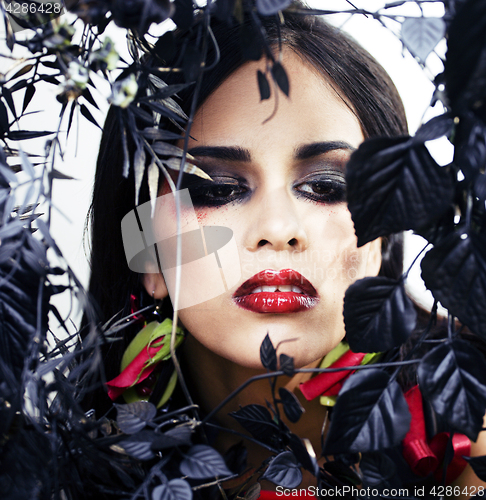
(155,286)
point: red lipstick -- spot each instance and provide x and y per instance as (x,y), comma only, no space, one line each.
(269,291)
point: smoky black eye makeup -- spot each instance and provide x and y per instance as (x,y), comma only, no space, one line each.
(322,187)
(222,190)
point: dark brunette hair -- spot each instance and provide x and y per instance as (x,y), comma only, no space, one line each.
(356,77)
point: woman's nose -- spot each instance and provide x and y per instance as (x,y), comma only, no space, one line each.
(276,223)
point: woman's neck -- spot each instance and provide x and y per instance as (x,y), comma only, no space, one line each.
(211,379)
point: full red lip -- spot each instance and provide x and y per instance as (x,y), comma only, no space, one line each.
(276,302)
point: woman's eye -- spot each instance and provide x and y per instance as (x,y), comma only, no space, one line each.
(323,190)
(214,194)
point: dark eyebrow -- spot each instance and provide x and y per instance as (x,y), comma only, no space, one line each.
(318,148)
(228,153)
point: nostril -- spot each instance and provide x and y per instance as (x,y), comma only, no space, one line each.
(262,243)
(292,242)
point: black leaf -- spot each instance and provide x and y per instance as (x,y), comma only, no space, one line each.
(165,47)
(271,7)
(178,436)
(302,455)
(394,184)
(253,492)
(203,462)
(263,85)
(71,116)
(184,13)
(165,92)
(87,114)
(470,145)
(235,458)
(29,94)
(284,470)
(89,97)
(23,71)
(268,354)
(377,469)
(21,135)
(421,34)
(370,414)
(465,64)
(139,445)
(133,417)
(157,134)
(478,465)
(455,272)
(287,365)
(280,77)
(342,471)
(292,408)
(435,128)
(257,420)
(3,119)
(452,377)
(7,94)
(175,489)
(166,149)
(378,314)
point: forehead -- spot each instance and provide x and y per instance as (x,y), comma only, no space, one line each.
(314,111)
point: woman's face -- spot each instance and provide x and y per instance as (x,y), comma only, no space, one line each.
(279,185)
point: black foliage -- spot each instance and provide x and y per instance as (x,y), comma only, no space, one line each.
(29,94)
(184,13)
(138,15)
(139,445)
(465,65)
(203,462)
(292,408)
(280,77)
(284,470)
(377,469)
(437,127)
(378,314)
(268,354)
(370,414)
(421,34)
(302,455)
(175,489)
(342,472)
(257,420)
(470,150)
(393,184)
(133,417)
(287,364)
(479,466)
(263,85)
(270,7)
(235,458)
(455,272)
(177,436)
(453,378)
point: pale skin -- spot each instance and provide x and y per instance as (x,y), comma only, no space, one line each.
(280,221)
